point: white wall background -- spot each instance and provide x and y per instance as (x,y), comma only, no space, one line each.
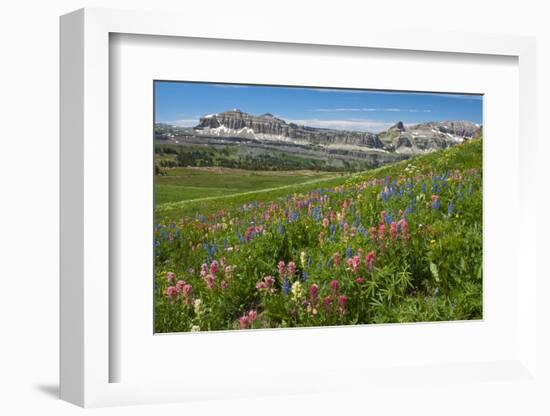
(29,115)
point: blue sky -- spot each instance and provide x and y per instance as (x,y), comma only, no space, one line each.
(183,103)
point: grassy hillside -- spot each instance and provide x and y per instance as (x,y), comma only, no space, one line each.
(184,184)
(402,243)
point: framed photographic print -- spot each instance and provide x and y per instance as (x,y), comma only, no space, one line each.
(288,213)
(315,206)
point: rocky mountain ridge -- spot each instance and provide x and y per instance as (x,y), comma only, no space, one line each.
(419,138)
(267,127)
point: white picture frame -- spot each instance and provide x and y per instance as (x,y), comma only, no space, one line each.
(86,356)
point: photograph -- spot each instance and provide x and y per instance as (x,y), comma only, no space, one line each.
(310,206)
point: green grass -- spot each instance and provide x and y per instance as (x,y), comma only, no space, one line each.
(181,186)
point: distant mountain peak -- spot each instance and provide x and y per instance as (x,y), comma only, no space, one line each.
(398,126)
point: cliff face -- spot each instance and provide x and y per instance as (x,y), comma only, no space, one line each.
(268,127)
(426,137)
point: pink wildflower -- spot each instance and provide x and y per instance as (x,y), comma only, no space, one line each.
(209,281)
(281,268)
(291,268)
(334,285)
(342,300)
(370,259)
(336,258)
(359,280)
(266,284)
(204,270)
(249,233)
(252,315)
(354,263)
(327,301)
(325,222)
(179,285)
(404,225)
(313,292)
(244,322)
(171,292)
(170,276)
(393,230)
(382,232)
(187,289)
(269,281)
(214,267)
(223,284)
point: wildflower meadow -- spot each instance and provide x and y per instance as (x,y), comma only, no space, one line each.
(401,243)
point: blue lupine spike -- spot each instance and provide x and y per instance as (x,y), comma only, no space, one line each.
(450,208)
(286,287)
(387,218)
(304,276)
(349,252)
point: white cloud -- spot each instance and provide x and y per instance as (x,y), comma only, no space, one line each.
(371,109)
(183,122)
(357,125)
(457,95)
